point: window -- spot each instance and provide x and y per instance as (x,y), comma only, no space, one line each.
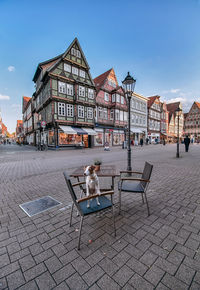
(122,100)
(90,113)
(73,51)
(106,97)
(111,114)
(82,73)
(81,91)
(74,70)
(69,90)
(67,67)
(121,116)
(90,93)
(78,54)
(70,110)
(113,98)
(117,98)
(61,109)
(80,111)
(117,115)
(100,112)
(62,87)
(125,116)
(105,113)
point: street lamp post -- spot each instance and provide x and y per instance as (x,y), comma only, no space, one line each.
(178,111)
(128,86)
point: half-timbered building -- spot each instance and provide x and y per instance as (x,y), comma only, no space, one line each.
(154,115)
(111,110)
(65,99)
(192,122)
(173,121)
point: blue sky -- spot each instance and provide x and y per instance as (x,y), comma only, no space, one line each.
(157,41)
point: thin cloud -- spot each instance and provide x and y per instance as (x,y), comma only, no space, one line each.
(172,91)
(11,68)
(3,97)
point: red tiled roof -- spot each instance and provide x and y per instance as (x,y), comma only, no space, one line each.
(171,107)
(101,78)
(19,122)
(198,104)
(151,100)
(25,102)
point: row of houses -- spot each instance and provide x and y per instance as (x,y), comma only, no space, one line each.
(69,108)
(3,130)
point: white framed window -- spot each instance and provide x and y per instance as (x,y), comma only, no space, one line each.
(106,97)
(67,67)
(105,113)
(62,87)
(125,116)
(82,73)
(100,112)
(81,111)
(90,93)
(70,90)
(113,98)
(90,113)
(75,70)
(81,91)
(117,98)
(122,100)
(61,109)
(73,51)
(111,114)
(78,53)
(117,115)
(70,110)
(121,114)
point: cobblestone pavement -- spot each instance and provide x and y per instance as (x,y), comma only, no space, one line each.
(161,251)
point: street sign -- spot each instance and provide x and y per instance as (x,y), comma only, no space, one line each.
(43,124)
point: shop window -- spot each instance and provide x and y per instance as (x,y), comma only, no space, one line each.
(61,109)
(51,138)
(81,111)
(98,139)
(90,113)
(70,110)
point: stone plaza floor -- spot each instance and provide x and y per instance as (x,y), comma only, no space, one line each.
(161,251)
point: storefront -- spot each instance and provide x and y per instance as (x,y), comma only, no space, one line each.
(113,137)
(154,138)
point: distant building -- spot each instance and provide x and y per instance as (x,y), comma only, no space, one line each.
(164,122)
(173,121)
(27,120)
(154,116)
(19,131)
(192,122)
(111,110)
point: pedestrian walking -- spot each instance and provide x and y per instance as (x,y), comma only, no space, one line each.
(147,141)
(187,143)
(163,141)
(141,142)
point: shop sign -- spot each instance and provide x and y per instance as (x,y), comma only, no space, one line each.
(43,124)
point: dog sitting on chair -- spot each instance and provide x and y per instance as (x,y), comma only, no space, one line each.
(92,183)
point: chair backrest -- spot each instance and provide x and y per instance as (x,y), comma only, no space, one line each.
(71,191)
(146,174)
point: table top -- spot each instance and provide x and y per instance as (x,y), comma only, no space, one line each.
(105,171)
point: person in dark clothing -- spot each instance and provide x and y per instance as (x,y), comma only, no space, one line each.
(187,143)
(141,142)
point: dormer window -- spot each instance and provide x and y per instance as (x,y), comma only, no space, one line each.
(76,52)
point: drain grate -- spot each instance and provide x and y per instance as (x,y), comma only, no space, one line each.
(37,206)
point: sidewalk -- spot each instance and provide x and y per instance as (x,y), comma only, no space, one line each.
(157,252)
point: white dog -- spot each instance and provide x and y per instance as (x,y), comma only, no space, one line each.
(92,183)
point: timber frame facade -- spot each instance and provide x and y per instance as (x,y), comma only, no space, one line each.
(192,122)
(64,99)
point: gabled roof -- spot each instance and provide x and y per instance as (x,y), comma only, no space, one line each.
(151,100)
(198,104)
(99,81)
(172,107)
(25,102)
(19,122)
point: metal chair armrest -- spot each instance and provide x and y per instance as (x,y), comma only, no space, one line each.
(126,171)
(78,183)
(110,192)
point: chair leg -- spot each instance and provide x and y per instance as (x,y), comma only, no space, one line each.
(113,216)
(79,237)
(70,220)
(142,197)
(120,196)
(147,203)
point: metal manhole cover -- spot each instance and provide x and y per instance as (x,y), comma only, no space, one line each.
(37,206)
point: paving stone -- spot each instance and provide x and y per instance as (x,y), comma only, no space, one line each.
(140,283)
(6,270)
(36,249)
(3,283)
(159,251)
(108,283)
(121,258)
(15,280)
(14,247)
(154,275)
(43,256)
(185,274)
(45,281)
(123,275)
(27,263)
(175,257)
(69,257)
(4,260)
(137,266)
(76,282)
(80,265)
(62,286)
(173,283)
(53,264)
(148,258)
(93,275)
(64,273)
(166,266)
(30,285)
(34,272)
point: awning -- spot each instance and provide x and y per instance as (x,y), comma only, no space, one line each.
(79,131)
(90,131)
(136,130)
(68,129)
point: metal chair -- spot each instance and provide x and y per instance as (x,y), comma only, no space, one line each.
(136,185)
(81,204)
